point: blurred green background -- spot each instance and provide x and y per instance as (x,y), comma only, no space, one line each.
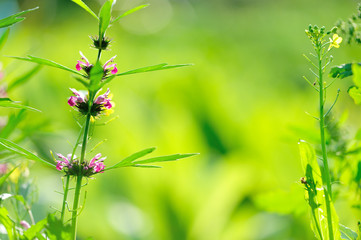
(241,106)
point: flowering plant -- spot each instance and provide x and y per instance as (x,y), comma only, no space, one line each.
(91,103)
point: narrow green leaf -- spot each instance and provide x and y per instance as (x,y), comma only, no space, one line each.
(23,78)
(23,152)
(8,21)
(146,166)
(347,233)
(104,18)
(7,102)
(167,158)
(47,63)
(82,81)
(4,37)
(85,7)
(157,67)
(3,178)
(126,161)
(12,123)
(6,222)
(130,12)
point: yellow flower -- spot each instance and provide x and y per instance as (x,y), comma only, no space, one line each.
(335,41)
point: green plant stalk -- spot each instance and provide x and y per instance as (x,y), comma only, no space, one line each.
(74,218)
(326,171)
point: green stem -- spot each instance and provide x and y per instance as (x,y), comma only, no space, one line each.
(85,139)
(74,217)
(326,171)
(66,190)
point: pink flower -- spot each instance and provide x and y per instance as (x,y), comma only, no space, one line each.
(82,65)
(25,224)
(110,67)
(97,163)
(78,98)
(64,162)
(102,98)
(3,168)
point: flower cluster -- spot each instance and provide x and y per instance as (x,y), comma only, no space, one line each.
(84,64)
(72,166)
(80,101)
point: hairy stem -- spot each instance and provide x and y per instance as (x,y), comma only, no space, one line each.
(326,171)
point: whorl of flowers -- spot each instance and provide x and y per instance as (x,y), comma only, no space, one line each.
(72,166)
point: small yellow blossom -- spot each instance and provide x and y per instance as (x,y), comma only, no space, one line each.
(335,41)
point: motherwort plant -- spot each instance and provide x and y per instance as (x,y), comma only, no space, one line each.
(93,102)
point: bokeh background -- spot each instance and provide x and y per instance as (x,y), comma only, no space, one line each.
(241,106)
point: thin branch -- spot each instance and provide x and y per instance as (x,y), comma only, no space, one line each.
(311,84)
(329,110)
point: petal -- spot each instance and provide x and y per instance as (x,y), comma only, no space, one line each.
(108,104)
(110,60)
(72,101)
(75,92)
(99,99)
(84,58)
(114,71)
(78,67)
(62,157)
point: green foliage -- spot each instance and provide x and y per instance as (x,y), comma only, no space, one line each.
(23,78)
(315,193)
(355,91)
(15,18)
(56,230)
(7,223)
(347,233)
(7,102)
(5,176)
(342,71)
(130,161)
(104,18)
(85,7)
(47,63)
(12,147)
(96,76)
(4,37)
(35,230)
(130,12)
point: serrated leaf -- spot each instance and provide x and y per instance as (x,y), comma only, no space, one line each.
(4,37)
(347,233)
(23,152)
(85,7)
(104,18)
(355,94)
(56,229)
(23,78)
(130,12)
(8,21)
(47,63)
(7,102)
(126,161)
(315,194)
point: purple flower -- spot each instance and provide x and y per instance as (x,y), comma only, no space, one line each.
(83,65)
(25,224)
(78,98)
(65,162)
(97,163)
(110,67)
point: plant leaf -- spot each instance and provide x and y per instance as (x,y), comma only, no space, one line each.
(7,102)
(355,94)
(12,123)
(3,178)
(23,78)
(6,222)
(48,63)
(167,158)
(347,233)
(157,67)
(104,18)
(126,161)
(342,71)
(8,21)
(315,194)
(56,229)
(23,152)
(33,231)
(96,76)
(130,12)
(85,7)
(4,37)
